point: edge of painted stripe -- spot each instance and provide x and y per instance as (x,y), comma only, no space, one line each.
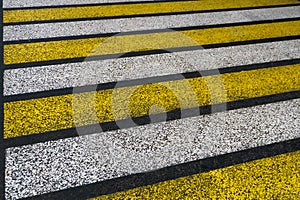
(150,52)
(173,172)
(145,15)
(94,4)
(172,115)
(141,32)
(148,80)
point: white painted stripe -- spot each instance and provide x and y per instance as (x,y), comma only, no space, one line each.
(21,32)
(56,165)
(33,3)
(26,80)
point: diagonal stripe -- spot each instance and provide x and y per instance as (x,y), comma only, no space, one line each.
(78,48)
(50,30)
(269,178)
(12,4)
(61,112)
(76,3)
(11,16)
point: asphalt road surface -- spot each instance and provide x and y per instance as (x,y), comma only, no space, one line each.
(166,99)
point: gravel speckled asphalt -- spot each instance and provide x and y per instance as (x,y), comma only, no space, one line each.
(195,99)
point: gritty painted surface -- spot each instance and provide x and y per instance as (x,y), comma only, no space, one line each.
(133,9)
(53,50)
(36,3)
(269,178)
(26,80)
(60,112)
(56,165)
(31,31)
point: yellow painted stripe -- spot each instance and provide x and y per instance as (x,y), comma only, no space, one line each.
(269,178)
(132,9)
(35,116)
(53,50)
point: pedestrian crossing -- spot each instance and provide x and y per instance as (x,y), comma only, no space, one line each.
(151,99)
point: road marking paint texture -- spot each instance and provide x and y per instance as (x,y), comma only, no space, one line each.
(2,149)
(108,155)
(47,14)
(12,4)
(57,112)
(269,178)
(34,79)
(50,30)
(79,48)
